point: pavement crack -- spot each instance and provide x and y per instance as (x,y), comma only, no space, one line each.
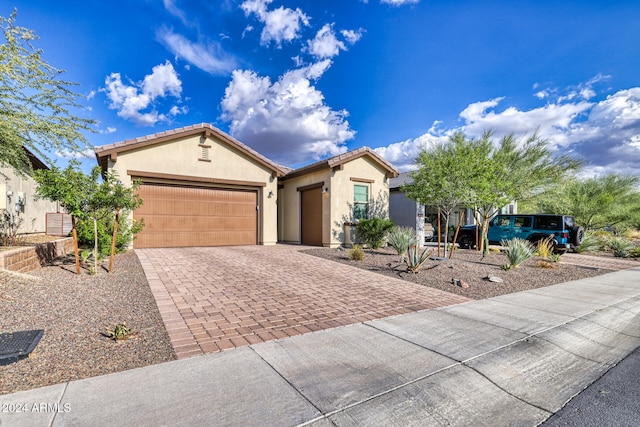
(292,386)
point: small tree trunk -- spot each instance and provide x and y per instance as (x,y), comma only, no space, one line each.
(439,233)
(455,237)
(113,240)
(74,233)
(95,245)
(446,234)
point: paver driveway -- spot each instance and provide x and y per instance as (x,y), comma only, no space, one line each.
(212,299)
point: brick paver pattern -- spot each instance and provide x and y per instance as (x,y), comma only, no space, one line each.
(213,299)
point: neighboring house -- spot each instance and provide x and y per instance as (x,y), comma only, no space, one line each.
(201,187)
(406,212)
(319,202)
(17,198)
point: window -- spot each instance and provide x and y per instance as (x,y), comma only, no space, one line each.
(500,221)
(523,221)
(360,201)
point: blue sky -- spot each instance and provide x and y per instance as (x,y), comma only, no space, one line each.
(303,80)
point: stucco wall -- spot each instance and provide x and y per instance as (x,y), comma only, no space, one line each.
(342,194)
(337,204)
(34,210)
(181,157)
(289,203)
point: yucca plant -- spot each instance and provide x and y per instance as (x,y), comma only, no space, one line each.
(517,251)
(590,243)
(417,256)
(401,239)
(620,246)
(545,247)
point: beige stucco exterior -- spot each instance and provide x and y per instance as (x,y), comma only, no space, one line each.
(34,211)
(196,159)
(337,200)
(205,156)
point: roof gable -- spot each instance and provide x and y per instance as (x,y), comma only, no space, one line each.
(112,150)
(337,161)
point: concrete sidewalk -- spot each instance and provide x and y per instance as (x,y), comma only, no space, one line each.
(510,360)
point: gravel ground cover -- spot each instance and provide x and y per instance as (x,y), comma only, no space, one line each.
(470,267)
(75,311)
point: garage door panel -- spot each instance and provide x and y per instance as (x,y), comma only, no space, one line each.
(188,216)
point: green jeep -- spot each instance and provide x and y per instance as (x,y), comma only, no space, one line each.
(532,227)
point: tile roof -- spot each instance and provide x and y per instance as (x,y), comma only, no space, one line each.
(344,158)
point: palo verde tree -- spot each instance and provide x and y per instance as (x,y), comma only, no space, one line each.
(608,200)
(88,198)
(119,198)
(444,173)
(513,170)
(36,105)
(71,188)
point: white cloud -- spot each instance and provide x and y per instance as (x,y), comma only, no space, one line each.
(171,7)
(87,153)
(403,154)
(280,25)
(352,36)
(131,100)
(399,2)
(209,57)
(286,120)
(325,44)
(108,130)
(605,134)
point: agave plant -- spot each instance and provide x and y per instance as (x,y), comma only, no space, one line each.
(417,256)
(620,246)
(517,251)
(401,239)
(590,243)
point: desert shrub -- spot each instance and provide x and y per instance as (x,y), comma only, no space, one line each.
(373,231)
(545,247)
(126,232)
(620,246)
(555,258)
(632,234)
(356,253)
(401,239)
(543,263)
(517,251)
(635,252)
(119,332)
(592,242)
(9,226)
(416,256)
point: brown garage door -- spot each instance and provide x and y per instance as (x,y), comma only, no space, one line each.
(194,216)
(311,216)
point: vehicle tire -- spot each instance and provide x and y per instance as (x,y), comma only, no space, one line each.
(466,241)
(577,235)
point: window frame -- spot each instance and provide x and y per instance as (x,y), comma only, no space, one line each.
(360,208)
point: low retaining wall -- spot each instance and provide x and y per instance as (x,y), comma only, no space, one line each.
(30,258)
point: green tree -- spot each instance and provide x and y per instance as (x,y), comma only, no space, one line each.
(119,198)
(35,103)
(485,174)
(70,187)
(515,170)
(609,200)
(444,175)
